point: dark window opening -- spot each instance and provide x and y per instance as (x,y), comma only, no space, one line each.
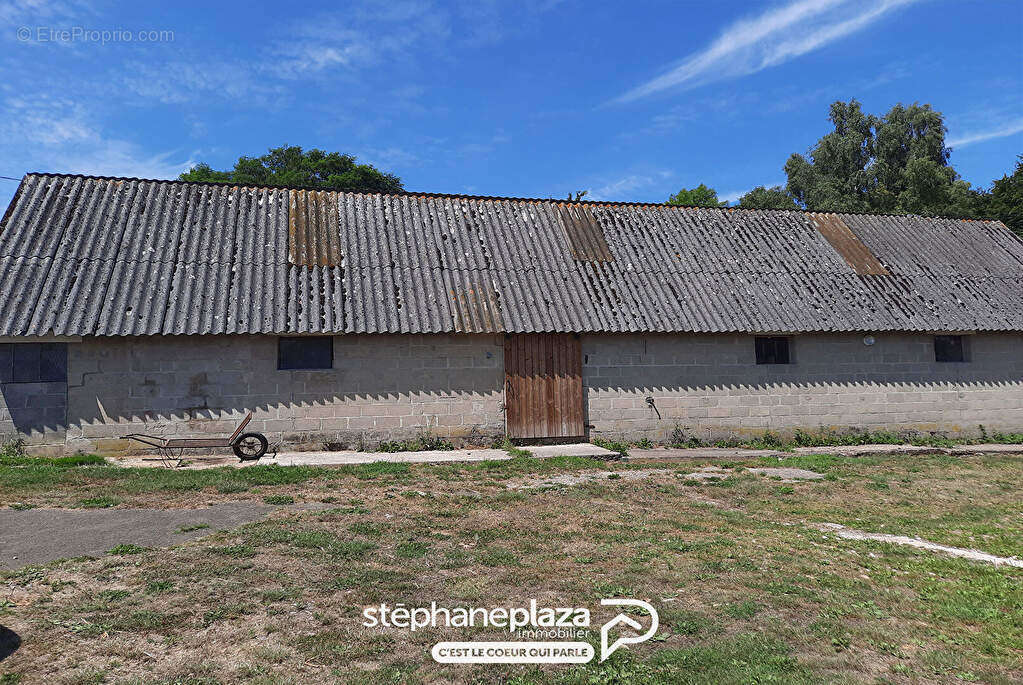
(33,363)
(949,348)
(305,353)
(772,350)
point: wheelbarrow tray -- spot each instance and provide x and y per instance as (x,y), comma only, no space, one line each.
(198,442)
(165,445)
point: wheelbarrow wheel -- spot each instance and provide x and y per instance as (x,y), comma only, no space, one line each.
(250,446)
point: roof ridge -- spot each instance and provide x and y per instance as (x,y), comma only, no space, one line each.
(487,198)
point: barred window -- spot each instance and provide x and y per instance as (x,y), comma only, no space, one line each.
(33,363)
(949,348)
(772,350)
(312,352)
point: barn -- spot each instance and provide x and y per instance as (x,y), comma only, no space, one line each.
(173,308)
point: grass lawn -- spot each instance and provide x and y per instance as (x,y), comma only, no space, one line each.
(747,590)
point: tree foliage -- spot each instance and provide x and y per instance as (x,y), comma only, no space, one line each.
(290,166)
(700,196)
(1007,198)
(774,197)
(896,163)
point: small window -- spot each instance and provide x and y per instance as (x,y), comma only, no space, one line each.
(305,353)
(949,348)
(33,363)
(772,350)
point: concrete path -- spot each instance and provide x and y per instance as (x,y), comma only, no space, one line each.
(701,453)
(36,536)
(569,479)
(994,448)
(973,554)
(866,450)
(346,458)
(582,449)
(725,453)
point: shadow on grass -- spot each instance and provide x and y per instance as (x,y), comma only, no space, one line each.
(9,642)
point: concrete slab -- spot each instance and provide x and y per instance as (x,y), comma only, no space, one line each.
(866,450)
(582,449)
(348,458)
(669,453)
(988,448)
(973,554)
(569,479)
(36,536)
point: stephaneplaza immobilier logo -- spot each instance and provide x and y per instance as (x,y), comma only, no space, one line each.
(561,627)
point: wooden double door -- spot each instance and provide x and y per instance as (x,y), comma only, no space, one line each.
(543,388)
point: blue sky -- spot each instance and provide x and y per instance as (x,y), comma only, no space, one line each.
(630,100)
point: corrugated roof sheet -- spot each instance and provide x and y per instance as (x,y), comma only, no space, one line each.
(101,256)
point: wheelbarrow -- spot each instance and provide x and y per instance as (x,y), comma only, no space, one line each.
(246,446)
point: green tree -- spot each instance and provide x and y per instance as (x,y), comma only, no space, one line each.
(774,197)
(895,163)
(1006,201)
(290,166)
(700,196)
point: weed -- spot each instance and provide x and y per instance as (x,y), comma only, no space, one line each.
(411,550)
(424,442)
(236,551)
(621,447)
(225,612)
(155,587)
(497,557)
(192,527)
(370,530)
(101,502)
(279,499)
(126,549)
(746,609)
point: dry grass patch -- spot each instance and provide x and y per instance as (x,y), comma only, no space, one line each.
(746,591)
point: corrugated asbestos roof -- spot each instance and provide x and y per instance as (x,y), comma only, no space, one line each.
(101,256)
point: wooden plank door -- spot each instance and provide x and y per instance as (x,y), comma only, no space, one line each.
(543,389)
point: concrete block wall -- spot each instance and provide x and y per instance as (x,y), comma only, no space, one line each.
(394,386)
(711,387)
(35,413)
(381,387)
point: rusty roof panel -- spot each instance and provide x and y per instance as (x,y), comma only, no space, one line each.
(101,256)
(859,257)
(313,237)
(585,237)
(475,306)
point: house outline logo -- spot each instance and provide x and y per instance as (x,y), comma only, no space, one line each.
(605,629)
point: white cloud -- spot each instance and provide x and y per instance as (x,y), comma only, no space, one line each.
(1008,129)
(734,195)
(774,37)
(122,158)
(177,82)
(388,158)
(624,188)
(31,12)
(731,195)
(57,135)
(359,37)
(44,120)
